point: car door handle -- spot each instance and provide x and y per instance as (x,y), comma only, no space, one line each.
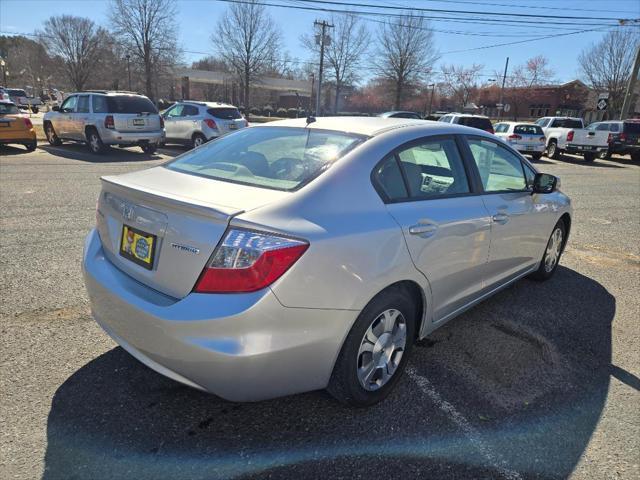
(500,218)
(423,230)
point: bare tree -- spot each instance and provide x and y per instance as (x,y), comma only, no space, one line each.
(406,52)
(533,73)
(77,42)
(606,65)
(349,41)
(248,39)
(461,82)
(148,27)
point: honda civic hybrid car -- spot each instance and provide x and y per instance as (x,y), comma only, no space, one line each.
(312,253)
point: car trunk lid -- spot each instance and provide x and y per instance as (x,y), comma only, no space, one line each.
(180,217)
(136,122)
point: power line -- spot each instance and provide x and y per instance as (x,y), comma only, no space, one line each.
(531,7)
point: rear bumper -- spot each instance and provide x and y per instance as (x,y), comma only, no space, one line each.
(531,149)
(573,148)
(114,137)
(242,347)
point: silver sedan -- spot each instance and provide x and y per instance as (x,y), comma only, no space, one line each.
(312,253)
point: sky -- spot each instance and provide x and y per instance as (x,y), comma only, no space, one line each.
(196,21)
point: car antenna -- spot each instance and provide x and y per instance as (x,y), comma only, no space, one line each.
(310,119)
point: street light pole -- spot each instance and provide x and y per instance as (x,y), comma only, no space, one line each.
(128,57)
(433,87)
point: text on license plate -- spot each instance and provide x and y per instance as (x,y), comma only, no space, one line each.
(232,126)
(138,121)
(138,246)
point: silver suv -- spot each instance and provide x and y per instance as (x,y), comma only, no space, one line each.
(100,118)
(194,123)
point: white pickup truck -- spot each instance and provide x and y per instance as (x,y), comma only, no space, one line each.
(567,134)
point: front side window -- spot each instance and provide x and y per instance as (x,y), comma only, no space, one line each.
(281,158)
(432,168)
(603,127)
(69,104)
(190,111)
(500,170)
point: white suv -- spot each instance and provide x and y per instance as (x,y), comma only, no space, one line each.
(194,123)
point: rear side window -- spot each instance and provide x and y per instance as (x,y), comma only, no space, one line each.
(528,130)
(99,104)
(614,127)
(130,104)
(388,177)
(476,122)
(190,111)
(500,170)
(224,113)
(631,127)
(83,104)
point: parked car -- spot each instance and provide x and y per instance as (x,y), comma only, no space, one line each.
(623,138)
(589,142)
(556,130)
(296,255)
(527,138)
(14,128)
(400,114)
(4,95)
(194,123)
(101,118)
(24,101)
(476,121)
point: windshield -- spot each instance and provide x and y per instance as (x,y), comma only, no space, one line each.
(130,104)
(281,158)
(8,108)
(16,93)
(528,130)
(476,122)
(631,127)
(567,123)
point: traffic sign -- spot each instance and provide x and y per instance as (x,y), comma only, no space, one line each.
(507,107)
(602,104)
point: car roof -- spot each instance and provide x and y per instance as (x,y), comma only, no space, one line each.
(208,104)
(394,112)
(511,122)
(368,126)
(108,92)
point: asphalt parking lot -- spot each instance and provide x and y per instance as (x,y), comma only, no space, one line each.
(541,381)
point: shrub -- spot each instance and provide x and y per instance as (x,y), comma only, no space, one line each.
(267,110)
(281,112)
(254,111)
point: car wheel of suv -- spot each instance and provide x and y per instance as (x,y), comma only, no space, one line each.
(95,142)
(149,148)
(552,253)
(552,150)
(589,156)
(605,155)
(52,138)
(197,140)
(376,349)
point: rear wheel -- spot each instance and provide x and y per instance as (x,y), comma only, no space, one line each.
(635,156)
(149,148)
(552,150)
(552,253)
(52,138)
(375,352)
(94,142)
(589,156)
(605,155)
(197,140)
(30,146)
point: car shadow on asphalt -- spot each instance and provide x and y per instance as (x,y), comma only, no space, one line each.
(598,163)
(11,150)
(76,151)
(529,369)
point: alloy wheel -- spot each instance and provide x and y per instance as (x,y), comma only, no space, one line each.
(381,349)
(553,250)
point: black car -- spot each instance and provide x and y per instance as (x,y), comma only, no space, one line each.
(624,139)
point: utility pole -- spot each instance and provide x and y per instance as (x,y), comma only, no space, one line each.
(433,87)
(626,105)
(323,39)
(504,79)
(128,57)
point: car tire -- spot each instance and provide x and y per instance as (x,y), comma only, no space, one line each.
(378,322)
(35,109)
(536,156)
(589,156)
(552,150)
(552,253)
(605,155)
(635,156)
(150,148)
(94,142)
(52,137)
(198,140)
(30,146)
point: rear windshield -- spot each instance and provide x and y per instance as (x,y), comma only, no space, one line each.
(224,113)
(16,93)
(8,109)
(281,158)
(631,127)
(130,104)
(566,123)
(476,122)
(528,130)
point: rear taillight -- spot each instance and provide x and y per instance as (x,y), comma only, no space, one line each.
(543,139)
(161,121)
(247,261)
(623,137)
(514,137)
(27,123)
(490,130)
(210,123)
(108,122)
(570,135)
(610,138)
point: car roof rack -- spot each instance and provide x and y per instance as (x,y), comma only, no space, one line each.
(110,91)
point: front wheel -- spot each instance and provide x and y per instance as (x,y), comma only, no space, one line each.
(95,142)
(635,156)
(605,154)
(376,350)
(589,156)
(552,253)
(52,138)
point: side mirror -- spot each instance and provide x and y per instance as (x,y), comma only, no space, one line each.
(55,108)
(545,183)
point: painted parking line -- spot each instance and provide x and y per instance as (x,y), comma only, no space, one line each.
(472,434)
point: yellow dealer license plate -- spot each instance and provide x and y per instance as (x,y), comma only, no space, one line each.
(138,246)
